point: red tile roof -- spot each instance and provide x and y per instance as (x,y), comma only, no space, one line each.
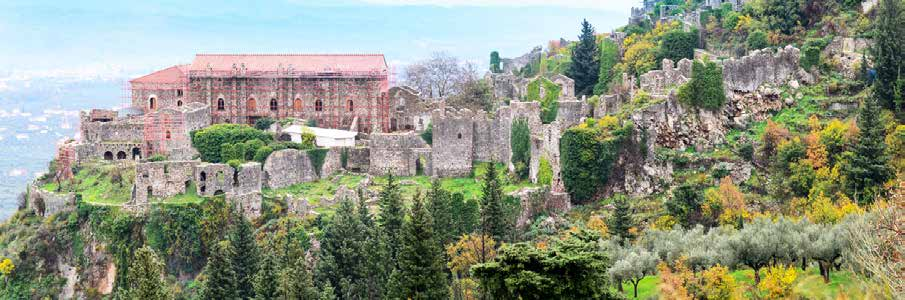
(298,62)
(173,74)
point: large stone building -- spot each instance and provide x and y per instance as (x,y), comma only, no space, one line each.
(340,91)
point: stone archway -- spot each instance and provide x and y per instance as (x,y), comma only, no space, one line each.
(108,155)
(136,153)
(121,155)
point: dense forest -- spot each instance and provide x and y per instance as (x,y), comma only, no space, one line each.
(819,217)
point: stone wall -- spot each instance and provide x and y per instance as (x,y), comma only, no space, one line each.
(46,203)
(112,150)
(453,143)
(118,130)
(570,112)
(761,67)
(393,153)
(672,75)
(287,167)
(162,179)
(513,65)
(214,179)
(359,159)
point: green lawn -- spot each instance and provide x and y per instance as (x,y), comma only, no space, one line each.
(94,182)
(809,285)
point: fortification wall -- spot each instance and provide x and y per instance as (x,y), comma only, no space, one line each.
(162,179)
(485,138)
(570,112)
(214,179)
(109,150)
(763,66)
(46,203)
(359,159)
(119,130)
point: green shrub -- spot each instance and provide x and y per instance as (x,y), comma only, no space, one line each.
(235,163)
(677,44)
(587,155)
(520,142)
(317,157)
(251,148)
(757,40)
(208,141)
(609,57)
(262,153)
(549,104)
(428,134)
(264,123)
(705,89)
(545,172)
(157,157)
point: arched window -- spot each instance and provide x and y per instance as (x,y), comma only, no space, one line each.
(220,104)
(297,104)
(152,103)
(319,105)
(251,104)
(273,104)
(460,136)
(168,135)
(121,155)
(108,155)
(179,103)
(351,105)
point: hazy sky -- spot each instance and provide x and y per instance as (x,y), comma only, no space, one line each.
(94,38)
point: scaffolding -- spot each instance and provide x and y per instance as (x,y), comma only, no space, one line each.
(329,99)
(162,130)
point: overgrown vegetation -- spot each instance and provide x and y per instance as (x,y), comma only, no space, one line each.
(588,152)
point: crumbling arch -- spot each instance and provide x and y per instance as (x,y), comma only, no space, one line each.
(108,155)
(121,155)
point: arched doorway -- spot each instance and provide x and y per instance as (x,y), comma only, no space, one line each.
(221,105)
(297,104)
(152,103)
(136,153)
(319,105)
(108,155)
(273,104)
(121,155)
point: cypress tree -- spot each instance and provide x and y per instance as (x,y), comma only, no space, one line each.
(889,51)
(585,64)
(266,279)
(221,280)
(492,219)
(466,212)
(391,216)
(495,62)
(146,276)
(245,257)
(421,273)
(621,220)
(868,169)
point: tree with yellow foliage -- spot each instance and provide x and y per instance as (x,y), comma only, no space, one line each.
(718,284)
(6,267)
(727,204)
(468,251)
(597,224)
(778,282)
(673,280)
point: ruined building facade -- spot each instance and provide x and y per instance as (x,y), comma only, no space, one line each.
(335,91)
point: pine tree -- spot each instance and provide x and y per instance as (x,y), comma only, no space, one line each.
(585,64)
(492,219)
(375,271)
(265,280)
(221,280)
(889,51)
(439,203)
(146,276)
(295,281)
(466,212)
(868,169)
(342,254)
(245,257)
(421,273)
(391,215)
(621,220)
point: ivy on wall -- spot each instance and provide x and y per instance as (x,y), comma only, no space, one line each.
(588,152)
(317,157)
(549,104)
(520,142)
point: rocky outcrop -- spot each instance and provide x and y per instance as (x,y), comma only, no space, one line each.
(846,54)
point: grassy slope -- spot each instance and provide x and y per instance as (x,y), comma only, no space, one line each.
(809,285)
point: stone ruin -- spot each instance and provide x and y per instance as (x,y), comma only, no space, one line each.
(45,203)
(751,84)
(240,186)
